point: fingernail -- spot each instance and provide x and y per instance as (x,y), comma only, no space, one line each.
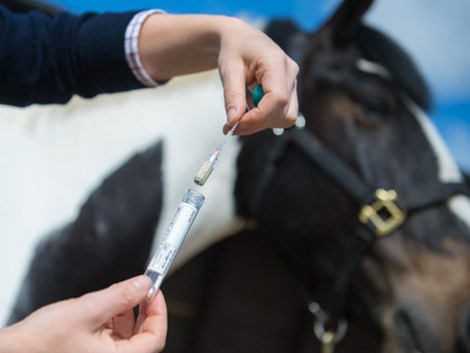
(231,114)
(142,283)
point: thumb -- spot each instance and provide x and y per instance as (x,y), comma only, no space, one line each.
(117,299)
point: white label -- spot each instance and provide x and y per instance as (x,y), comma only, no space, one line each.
(179,226)
(173,238)
(162,262)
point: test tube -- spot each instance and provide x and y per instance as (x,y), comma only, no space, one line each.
(173,238)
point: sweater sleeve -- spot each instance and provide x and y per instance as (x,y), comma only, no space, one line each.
(48,60)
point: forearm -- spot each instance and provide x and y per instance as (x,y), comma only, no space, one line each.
(172,45)
(47,60)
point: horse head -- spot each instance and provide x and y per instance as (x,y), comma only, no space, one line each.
(365,199)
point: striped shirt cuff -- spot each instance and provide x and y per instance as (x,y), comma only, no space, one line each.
(131,41)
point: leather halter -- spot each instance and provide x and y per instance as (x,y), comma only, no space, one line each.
(374,203)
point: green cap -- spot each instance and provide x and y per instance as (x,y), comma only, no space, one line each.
(258,94)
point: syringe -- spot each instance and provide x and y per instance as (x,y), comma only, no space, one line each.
(185,216)
(208,166)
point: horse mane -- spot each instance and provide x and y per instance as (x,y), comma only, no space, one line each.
(385,51)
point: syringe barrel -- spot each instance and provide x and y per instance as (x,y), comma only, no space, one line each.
(173,238)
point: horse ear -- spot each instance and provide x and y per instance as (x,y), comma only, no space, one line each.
(343,23)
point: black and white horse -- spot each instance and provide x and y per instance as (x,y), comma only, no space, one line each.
(364,202)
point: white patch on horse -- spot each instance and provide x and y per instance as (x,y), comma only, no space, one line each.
(373,68)
(448,169)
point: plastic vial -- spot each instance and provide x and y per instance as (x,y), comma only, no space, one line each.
(173,238)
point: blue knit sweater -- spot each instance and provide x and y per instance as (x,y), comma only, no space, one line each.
(48,60)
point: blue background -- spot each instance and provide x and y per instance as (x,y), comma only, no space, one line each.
(434,32)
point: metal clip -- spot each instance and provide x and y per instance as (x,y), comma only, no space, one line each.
(327,338)
(327,342)
(373,213)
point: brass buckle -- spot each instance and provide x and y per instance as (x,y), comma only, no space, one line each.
(385,201)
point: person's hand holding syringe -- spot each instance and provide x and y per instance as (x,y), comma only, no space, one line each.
(186,213)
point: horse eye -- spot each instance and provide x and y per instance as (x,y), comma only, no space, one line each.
(374,106)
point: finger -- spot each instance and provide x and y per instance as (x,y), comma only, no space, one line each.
(270,113)
(293,109)
(147,308)
(123,325)
(233,82)
(141,316)
(105,304)
(151,333)
(275,113)
(155,309)
(280,94)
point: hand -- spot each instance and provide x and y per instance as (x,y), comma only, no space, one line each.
(102,321)
(171,45)
(248,56)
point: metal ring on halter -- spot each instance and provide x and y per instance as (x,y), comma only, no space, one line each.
(319,329)
(321,317)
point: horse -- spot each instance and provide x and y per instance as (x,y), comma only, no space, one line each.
(362,202)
